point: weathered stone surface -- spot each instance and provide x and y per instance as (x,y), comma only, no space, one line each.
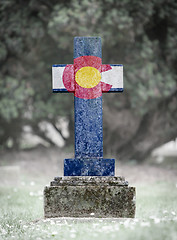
(96,192)
(88,180)
(89,197)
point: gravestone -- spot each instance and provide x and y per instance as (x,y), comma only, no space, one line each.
(89,187)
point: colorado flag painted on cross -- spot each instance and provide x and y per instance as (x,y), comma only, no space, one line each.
(65,77)
(88,78)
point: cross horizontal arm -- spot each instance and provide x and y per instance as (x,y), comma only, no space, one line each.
(114,77)
(63,78)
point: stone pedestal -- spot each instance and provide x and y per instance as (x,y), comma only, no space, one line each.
(88,196)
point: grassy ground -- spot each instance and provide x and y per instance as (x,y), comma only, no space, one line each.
(21,206)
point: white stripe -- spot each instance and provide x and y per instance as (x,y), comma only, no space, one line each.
(57,80)
(114,77)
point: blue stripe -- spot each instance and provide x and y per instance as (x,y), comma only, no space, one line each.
(65,90)
(87,46)
(60,90)
(116,65)
(116,90)
(59,65)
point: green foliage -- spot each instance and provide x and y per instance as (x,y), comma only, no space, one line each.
(36,34)
(14,98)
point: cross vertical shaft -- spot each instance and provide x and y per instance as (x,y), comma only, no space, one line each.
(88,112)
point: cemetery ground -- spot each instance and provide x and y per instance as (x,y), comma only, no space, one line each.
(24,174)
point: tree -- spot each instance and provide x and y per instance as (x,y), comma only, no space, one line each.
(141,35)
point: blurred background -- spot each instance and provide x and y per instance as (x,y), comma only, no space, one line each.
(141,35)
(37,126)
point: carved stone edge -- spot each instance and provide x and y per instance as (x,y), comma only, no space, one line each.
(89,180)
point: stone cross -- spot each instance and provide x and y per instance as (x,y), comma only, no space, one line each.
(88,187)
(88,78)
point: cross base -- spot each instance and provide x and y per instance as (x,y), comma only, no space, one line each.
(89,167)
(89,197)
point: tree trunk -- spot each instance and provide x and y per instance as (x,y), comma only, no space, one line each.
(156,127)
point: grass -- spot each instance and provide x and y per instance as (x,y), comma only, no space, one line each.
(21,206)
(21,216)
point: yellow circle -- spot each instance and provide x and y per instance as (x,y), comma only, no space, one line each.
(88,77)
